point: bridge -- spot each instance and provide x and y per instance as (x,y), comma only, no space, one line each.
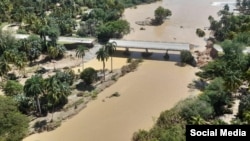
(87,41)
(154,45)
(151,45)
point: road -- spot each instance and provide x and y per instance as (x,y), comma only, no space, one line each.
(151,45)
(63,39)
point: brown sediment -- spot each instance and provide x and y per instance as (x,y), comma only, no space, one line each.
(156,86)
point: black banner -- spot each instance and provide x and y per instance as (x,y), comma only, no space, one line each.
(199,132)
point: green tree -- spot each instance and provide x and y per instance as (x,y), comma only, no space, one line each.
(217,95)
(200,33)
(193,107)
(187,57)
(34,87)
(80,53)
(88,75)
(57,93)
(103,56)
(13,88)
(244,106)
(160,14)
(247,117)
(14,125)
(110,47)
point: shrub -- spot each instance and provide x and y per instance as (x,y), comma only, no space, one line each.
(13,88)
(187,58)
(169,118)
(14,125)
(244,106)
(68,76)
(216,94)
(194,107)
(200,33)
(89,75)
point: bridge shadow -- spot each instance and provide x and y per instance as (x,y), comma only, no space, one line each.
(174,56)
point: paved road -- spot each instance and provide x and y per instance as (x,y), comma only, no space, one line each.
(151,45)
(63,39)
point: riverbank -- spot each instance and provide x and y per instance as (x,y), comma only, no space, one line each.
(145,93)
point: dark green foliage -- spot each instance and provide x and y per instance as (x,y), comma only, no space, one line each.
(169,118)
(13,88)
(212,70)
(161,14)
(187,58)
(34,88)
(217,95)
(200,33)
(170,126)
(113,29)
(244,106)
(230,24)
(231,66)
(67,76)
(194,107)
(89,75)
(14,125)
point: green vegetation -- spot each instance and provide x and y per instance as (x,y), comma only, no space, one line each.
(12,88)
(187,58)
(102,55)
(110,48)
(200,33)
(161,14)
(14,125)
(80,53)
(89,75)
(223,78)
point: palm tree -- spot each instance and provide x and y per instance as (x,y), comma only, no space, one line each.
(103,56)
(34,88)
(110,47)
(80,53)
(57,92)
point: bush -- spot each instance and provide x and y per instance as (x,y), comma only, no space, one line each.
(244,106)
(187,58)
(89,75)
(169,118)
(68,76)
(21,31)
(14,125)
(13,88)
(200,33)
(194,107)
(217,95)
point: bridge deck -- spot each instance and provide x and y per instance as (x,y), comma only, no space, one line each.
(151,45)
(63,39)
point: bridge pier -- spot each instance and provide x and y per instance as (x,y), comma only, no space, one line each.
(166,56)
(146,50)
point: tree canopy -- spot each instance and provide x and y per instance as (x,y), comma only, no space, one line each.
(14,125)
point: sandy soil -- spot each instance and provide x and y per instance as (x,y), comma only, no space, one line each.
(154,87)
